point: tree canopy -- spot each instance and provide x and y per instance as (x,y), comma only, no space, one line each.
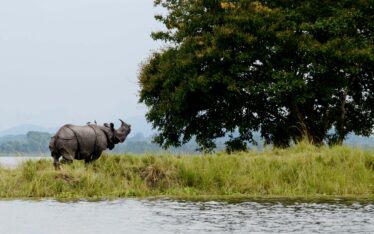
(288,69)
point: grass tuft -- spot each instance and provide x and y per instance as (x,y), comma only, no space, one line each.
(300,171)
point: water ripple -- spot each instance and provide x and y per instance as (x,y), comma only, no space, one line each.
(167,216)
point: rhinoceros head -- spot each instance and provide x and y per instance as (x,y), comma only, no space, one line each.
(120,133)
(117,135)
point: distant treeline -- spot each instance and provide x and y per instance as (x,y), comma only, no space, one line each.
(36,143)
(31,143)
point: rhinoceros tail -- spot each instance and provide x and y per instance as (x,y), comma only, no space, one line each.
(52,146)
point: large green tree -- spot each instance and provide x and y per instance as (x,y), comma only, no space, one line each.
(289,69)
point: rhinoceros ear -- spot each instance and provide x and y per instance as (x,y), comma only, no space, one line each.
(112,126)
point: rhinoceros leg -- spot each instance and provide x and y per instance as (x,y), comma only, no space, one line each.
(95,156)
(89,159)
(56,162)
(68,157)
(66,161)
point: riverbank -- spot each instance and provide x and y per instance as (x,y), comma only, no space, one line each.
(303,171)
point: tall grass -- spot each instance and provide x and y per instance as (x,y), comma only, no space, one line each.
(300,171)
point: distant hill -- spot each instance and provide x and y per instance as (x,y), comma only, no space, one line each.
(8,138)
(25,128)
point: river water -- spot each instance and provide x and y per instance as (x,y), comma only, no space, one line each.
(13,161)
(170,216)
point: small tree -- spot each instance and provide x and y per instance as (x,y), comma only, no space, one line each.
(289,69)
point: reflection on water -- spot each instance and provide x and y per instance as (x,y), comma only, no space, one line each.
(165,216)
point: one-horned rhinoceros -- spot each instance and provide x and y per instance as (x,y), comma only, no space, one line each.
(85,142)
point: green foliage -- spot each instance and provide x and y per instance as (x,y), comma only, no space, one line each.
(289,69)
(300,171)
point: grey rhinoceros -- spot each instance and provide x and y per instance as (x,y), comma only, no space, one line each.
(85,142)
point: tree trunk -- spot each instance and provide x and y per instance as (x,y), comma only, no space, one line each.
(340,128)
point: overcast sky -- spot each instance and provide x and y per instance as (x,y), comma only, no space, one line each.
(72,61)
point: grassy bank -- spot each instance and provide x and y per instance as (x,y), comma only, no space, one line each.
(302,171)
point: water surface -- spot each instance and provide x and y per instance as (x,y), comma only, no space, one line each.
(166,216)
(13,161)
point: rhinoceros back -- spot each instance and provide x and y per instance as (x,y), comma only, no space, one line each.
(75,140)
